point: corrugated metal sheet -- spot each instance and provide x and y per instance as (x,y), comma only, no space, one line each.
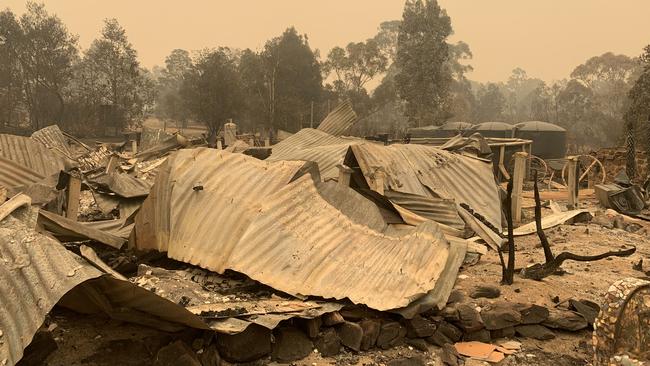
(232,185)
(13,174)
(440,210)
(68,230)
(115,227)
(250,219)
(35,273)
(52,138)
(299,244)
(30,154)
(122,184)
(352,204)
(317,146)
(340,120)
(431,172)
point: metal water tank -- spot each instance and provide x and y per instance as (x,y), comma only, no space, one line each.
(451,129)
(549,140)
(424,132)
(494,129)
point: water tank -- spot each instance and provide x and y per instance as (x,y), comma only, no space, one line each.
(494,129)
(549,140)
(451,129)
(424,132)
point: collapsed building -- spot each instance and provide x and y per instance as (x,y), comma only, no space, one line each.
(359,242)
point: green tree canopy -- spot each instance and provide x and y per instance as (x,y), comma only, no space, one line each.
(212,89)
(121,84)
(423,79)
(39,51)
(293,78)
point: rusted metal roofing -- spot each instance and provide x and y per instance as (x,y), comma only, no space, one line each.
(217,172)
(340,120)
(251,216)
(30,154)
(431,172)
(52,138)
(116,227)
(70,230)
(13,174)
(35,273)
(440,210)
(313,145)
(352,204)
(122,184)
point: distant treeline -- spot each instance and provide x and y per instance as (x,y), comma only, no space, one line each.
(46,79)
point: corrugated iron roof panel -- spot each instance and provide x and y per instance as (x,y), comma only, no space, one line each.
(300,244)
(31,154)
(13,174)
(431,172)
(440,210)
(327,157)
(249,218)
(340,120)
(305,139)
(35,273)
(454,176)
(243,178)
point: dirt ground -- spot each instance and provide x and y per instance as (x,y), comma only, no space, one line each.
(85,340)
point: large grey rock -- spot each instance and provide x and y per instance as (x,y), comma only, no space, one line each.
(328,343)
(291,344)
(210,356)
(333,318)
(391,334)
(535,331)
(351,335)
(370,333)
(499,316)
(507,332)
(449,355)
(445,333)
(418,343)
(565,320)
(482,335)
(311,326)
(249,345)
(176,354)
(532,314)
(450,314)
(488,292)
(439,339)
(469,318)
(587,309)
(419,327)
(455,296)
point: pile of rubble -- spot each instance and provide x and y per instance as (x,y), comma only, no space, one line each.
(332,245)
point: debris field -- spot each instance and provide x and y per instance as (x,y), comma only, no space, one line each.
(318,249)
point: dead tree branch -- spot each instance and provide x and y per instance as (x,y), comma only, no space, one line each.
(538,223)
(509,273)
(539,271)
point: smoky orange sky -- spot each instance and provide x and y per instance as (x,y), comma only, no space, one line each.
(547,38)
